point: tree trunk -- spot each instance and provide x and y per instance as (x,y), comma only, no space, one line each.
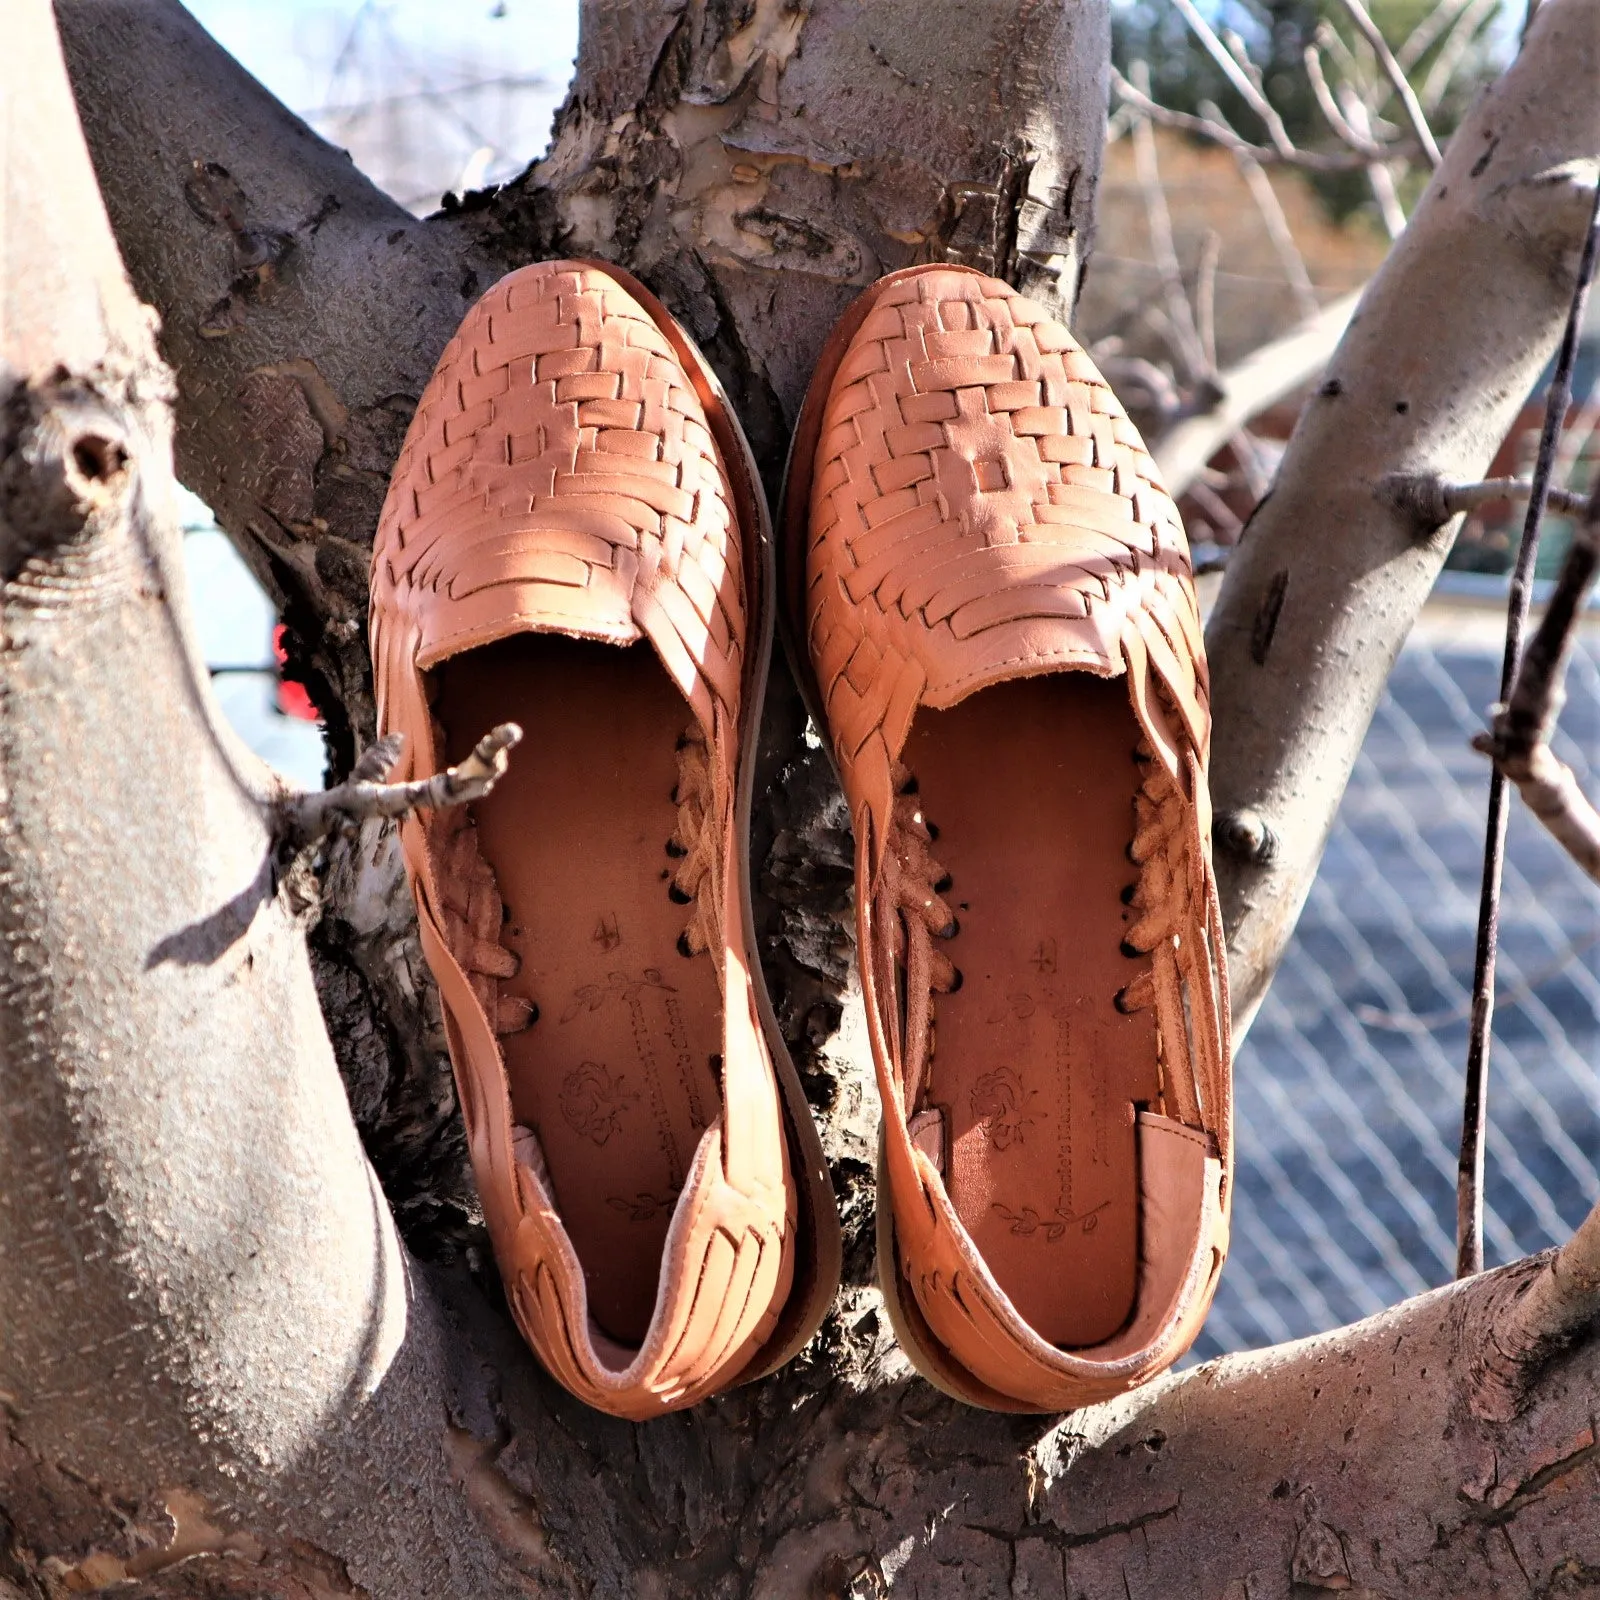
(222,1372)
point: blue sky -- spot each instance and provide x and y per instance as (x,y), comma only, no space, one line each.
(425,96)
(292,45)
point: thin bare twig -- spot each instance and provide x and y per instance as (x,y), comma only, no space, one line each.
(1519,742)
(1332,41)
(1507,1000)
(1380,178)
(1469,1178)
(1222,516)
(1348,114)
(1380,174)
(1136,378)
(1255,471)
(1329,107)
(1260,380)
(1458,21)
(1186,122)
(1422,38)
(1183,355)
(1205,294)
(1370,31)
(1551,791)
(1235,74)
(1241,53)
(1276,223)
(1580,432)
(1453,51)
(1146,167)
(1119,122)
(310,816)
(1434,501)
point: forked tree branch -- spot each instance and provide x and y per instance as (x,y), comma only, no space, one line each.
(310,816)
(1396,75)
(1519,741)
(1321,592)
(841,1475)
(755,185)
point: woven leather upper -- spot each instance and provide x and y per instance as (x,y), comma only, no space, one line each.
(981,509)
(560,475)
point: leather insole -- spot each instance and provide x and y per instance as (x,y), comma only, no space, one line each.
(1031,785)
(621,1074)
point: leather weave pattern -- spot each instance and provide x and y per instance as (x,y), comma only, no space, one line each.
(981,507)
(559,469)
(560,475)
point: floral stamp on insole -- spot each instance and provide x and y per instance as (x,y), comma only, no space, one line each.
(998,1102)
(593,1100)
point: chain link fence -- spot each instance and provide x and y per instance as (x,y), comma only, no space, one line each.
(1349,1084)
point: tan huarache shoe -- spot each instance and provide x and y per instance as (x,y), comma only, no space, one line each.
(575,541)
(990,596)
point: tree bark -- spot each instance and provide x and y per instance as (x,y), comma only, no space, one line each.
(201,1286)
(1450,335)
(222,1372)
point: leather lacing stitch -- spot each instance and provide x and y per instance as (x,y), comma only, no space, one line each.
(1160,894)
(910,906)
(694,844)
(1164,896)
(474,912)
(474,917)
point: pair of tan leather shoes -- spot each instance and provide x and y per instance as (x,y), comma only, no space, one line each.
(991,610)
